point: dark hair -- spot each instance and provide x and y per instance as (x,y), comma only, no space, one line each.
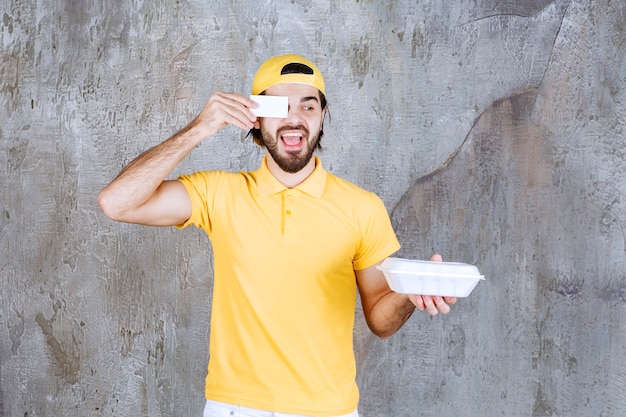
(257,136)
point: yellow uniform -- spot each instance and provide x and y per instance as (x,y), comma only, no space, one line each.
(284,285)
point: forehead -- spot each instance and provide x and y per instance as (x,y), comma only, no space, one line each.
(293,90)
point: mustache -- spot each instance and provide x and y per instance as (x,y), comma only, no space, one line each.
(292,127)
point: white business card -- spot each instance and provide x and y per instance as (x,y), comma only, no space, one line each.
(271,106)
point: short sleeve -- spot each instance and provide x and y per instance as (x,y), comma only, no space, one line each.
(200,194)
(378,239)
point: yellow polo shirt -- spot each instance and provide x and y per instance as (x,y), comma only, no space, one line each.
(284,285)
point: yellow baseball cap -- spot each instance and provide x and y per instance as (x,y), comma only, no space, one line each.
(284,69)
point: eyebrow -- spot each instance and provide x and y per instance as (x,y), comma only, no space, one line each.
(305,99)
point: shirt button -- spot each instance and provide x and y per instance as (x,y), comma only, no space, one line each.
(288,212)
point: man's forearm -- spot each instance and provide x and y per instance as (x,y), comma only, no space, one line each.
(139,180)
(389,314)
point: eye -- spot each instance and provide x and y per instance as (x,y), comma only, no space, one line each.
(308,108)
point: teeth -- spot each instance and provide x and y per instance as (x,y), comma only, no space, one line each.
(292,134)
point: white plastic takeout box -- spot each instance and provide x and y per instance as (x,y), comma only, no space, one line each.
(449,279)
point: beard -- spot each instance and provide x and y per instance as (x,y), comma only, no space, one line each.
(292,161)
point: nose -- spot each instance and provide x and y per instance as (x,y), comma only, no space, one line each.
(293,115)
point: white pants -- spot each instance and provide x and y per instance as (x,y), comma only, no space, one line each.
(217,409)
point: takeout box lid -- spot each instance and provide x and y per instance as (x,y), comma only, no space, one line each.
(430,268)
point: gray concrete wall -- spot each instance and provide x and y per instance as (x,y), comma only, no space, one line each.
(494,132)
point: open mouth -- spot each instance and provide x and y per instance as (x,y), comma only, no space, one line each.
(292,139)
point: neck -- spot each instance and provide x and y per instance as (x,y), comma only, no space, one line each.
(288,179)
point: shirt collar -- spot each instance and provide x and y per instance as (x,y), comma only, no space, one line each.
(313,185)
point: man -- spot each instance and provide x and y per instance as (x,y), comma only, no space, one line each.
(291,242)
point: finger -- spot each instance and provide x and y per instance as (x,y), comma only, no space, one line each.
(417,301)
(240,117)
(436,258)
(240,102)
(245,101)
(236,116)
(450,300)
(441,305)
(429,303)
(234,109)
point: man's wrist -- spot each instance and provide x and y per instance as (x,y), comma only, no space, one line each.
(195,133)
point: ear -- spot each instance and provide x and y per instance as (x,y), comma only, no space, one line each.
(257,124)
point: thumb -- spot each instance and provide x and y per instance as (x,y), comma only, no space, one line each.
(436,258)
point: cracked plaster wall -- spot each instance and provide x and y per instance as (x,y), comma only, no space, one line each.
(493,131)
